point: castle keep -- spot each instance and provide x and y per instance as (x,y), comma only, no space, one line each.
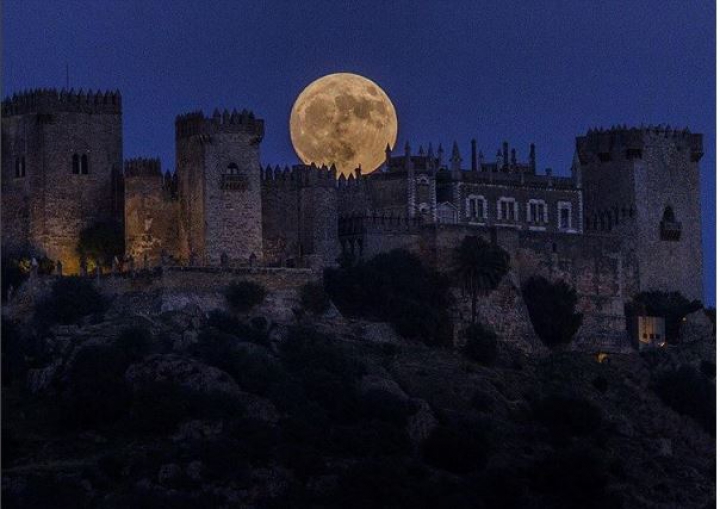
(627,219)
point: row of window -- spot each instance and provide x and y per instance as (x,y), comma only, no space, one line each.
(508,210)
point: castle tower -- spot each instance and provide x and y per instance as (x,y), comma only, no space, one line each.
(644,185)
(61,169)
(218,167)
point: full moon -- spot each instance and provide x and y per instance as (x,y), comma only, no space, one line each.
(343,119)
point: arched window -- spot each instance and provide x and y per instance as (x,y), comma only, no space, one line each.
(507,210)
(476,208)
(84,165)
(76,164)
(565,223)
(232,169)
(670,227)
(669,215)
(537,212)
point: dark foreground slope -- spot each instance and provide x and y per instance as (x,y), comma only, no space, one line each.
(185,409)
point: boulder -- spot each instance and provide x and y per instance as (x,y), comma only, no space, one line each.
(190,374)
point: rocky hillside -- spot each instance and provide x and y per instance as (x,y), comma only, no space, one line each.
(140,407)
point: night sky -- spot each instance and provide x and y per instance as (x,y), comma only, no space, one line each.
(540,71)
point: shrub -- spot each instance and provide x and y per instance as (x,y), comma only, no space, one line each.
(96,393)
(101,242)
(395,287)
(551,307)
(385,406)
(567,416)
(481,344)
(709,369)
(70,299)
(577,477)
(252,367)
(323,371)
(314,298)
(134,342)
(600,383)
(256,332)
(670,305)
(458,450)
(16,269)
(688,392)
(245,295)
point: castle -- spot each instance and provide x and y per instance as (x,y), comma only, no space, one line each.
(627,219)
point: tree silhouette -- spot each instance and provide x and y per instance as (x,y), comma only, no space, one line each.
(479,266)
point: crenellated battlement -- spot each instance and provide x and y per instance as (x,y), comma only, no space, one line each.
(376,222)
(143,167)
(44,100)
(621,142)
(300,175)
(197,124)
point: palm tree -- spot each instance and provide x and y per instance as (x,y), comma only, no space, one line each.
(479,266)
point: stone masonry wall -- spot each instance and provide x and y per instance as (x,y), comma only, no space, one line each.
(151,217)
(55,204)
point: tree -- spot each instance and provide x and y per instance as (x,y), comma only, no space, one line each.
(479,266)
(101,242)
(244,295)
(551,307)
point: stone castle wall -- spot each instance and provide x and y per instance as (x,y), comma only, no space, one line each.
(51,202)
(219,184)
(647,171)
(151,212)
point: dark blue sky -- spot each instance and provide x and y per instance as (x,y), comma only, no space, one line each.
(525,71)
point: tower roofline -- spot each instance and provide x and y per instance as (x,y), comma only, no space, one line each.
(51,100)
(197,123)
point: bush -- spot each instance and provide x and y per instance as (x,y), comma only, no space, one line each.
(252,367)
(101,242)
(601,384)
(256,332)
(688,392)
(244,295)
(96,393)
(577,477)
(314,298)
(551,307)
(480,344)
(670,305)
(70,299)
(135,343)
(16,269)
(395,287)
(458,450)
(322,370)
(566,416)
